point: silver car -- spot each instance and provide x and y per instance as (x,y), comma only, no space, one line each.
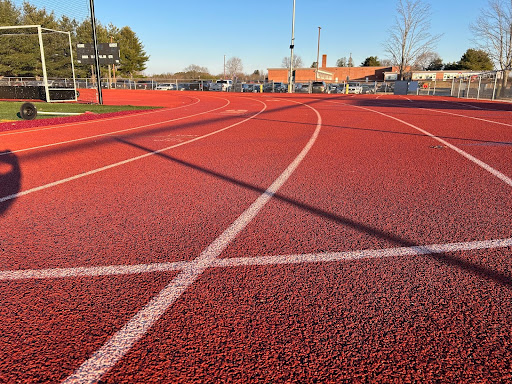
(319,87)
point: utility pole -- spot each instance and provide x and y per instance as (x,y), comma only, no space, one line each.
(292,45)
(318,54)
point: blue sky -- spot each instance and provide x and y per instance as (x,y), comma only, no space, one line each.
(176,34)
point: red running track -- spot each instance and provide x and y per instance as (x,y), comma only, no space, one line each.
(259,238)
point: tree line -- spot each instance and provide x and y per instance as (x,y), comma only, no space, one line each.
(20,55)
(411,46)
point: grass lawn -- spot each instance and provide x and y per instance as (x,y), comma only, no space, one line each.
(10,110)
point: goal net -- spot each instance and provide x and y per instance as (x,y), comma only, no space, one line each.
(37,59)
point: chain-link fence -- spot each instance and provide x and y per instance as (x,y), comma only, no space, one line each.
(489,85)
(495,85)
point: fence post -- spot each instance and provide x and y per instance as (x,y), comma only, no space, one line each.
(453,86)
(479,84)
(495,84)
(469,87)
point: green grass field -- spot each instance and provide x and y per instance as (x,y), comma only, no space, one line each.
(10,110)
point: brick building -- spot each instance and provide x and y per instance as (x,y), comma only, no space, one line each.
(330,74)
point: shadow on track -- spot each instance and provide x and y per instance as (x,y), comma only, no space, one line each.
(472,141)
(10,179)
(444,258)
(393,101)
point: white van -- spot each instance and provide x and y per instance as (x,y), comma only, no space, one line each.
(222,85)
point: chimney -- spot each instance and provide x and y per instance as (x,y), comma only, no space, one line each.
(324,61)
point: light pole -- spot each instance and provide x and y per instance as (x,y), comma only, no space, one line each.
(224,78)
(292,45)
(318,53)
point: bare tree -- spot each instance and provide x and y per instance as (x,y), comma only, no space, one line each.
(410,38)
(234,67)
(297,62)
(195,68)
(341,62)
(493,31)
(423,61)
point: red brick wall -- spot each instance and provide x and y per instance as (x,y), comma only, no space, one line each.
(339,73)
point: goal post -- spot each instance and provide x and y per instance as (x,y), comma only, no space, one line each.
(57,86)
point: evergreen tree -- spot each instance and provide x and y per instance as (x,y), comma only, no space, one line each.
(476,60)
(371,61)
(133,56)
(435,65)
(20,54)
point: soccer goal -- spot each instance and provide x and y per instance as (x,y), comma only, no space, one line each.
(36,61)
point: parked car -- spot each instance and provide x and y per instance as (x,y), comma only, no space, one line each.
(183,86)
(335,88)
(200,85)
(319,87)
(355,88)
(280,88)
(301,88)
(124,84)
(368,88)
(146,84)
(255,88)
(166,87)
(222,85)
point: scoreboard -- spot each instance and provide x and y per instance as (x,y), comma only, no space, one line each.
(108,53)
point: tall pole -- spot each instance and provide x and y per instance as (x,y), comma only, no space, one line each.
(292,45)
(318,53)
(96,56)
(224,78)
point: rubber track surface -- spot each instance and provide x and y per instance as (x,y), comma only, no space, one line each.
(256,238)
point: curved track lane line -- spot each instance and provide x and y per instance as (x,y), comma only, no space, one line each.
(48,127)
(507,180)
(110,353)
(471,117)
(114,165)
(115,132)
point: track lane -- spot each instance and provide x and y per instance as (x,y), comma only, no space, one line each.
(485,134)
(379,187)
(328,321)
(55,136)
(125,225)
(80,226)
(427,317)
(51,164)
(331,322)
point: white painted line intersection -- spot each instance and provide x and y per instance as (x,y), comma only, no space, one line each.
(323,257)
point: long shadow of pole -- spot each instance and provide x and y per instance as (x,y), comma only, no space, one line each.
(451,260)
(10,179)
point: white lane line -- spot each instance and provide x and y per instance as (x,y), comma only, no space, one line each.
(45,128)
(507,180)
(114,165)
(470,117)
(364,253)
(390,103)
(57,273)
(121,342)
(114,132)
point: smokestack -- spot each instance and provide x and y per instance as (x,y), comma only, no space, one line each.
(324,61)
